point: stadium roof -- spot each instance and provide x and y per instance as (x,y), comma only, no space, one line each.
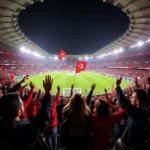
(138,12)
(12,38)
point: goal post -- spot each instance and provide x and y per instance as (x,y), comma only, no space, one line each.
(66,91)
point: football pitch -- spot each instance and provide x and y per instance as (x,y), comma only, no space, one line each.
(83,81)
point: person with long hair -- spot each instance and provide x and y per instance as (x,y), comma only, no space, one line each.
(75,129)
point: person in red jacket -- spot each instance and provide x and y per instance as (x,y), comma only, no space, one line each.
(27,101)
(101,124)
(51,136)
(32,108)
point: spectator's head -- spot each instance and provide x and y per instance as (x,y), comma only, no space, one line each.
(11,107)
(139,98)
(102,108)
(77,104)
(77,110)
(92,102)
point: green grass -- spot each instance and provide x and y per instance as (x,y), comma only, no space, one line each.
(83,81)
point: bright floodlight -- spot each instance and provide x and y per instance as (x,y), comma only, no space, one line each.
(116,51)
(36,54)
(109,53)
(121,50)
(148,40)
(22,49)
(28,51)
(140,44)
(86,57)
(55,58)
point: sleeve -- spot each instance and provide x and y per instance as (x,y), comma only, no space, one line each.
(35,102)
(28,100)
(116,117)
(39,123)
(130,109)
(88,100)
(109,103)
(15,88)
(56,100)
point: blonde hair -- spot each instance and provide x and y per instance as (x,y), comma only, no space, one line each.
(78,112)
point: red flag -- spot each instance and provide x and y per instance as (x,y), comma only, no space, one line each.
(80,66)
(62,54)
(129,67)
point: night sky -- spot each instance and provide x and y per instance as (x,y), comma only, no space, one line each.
(77,26)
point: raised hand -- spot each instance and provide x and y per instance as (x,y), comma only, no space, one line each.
(72,86)
(47,84)
(58,88)
(105,90)
(93,86)
(32,86)
(118,81)
(24,79)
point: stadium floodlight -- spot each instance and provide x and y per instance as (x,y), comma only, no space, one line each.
(121,50)
(109,53)
(36,54)
(28,51)
(55,58)
(140,43)
(148,40)
(86,58)
(116,51)
(22,48)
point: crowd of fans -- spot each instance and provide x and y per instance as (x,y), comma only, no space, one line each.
(35,120)
(31,119)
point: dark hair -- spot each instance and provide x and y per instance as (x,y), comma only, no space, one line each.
(141,96)
(9,106)
(148,79)
(92,102)
(102,108)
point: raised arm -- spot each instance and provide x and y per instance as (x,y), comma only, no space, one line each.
(123,101)
(88,100)
(29,97)
(108,100)
(71,92)
(18,85)
(57,98)
(43,117)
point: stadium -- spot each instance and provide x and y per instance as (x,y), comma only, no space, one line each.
(125,60)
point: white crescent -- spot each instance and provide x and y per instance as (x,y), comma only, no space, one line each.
(80,66)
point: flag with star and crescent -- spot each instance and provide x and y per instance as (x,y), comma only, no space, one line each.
(80,66)
(62,54)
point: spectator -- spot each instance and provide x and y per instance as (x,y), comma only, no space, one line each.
(75,129)
(101,124)
(51,135)
(18,134)
(137,120)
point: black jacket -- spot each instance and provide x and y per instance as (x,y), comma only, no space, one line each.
(25,135)
(136,122)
